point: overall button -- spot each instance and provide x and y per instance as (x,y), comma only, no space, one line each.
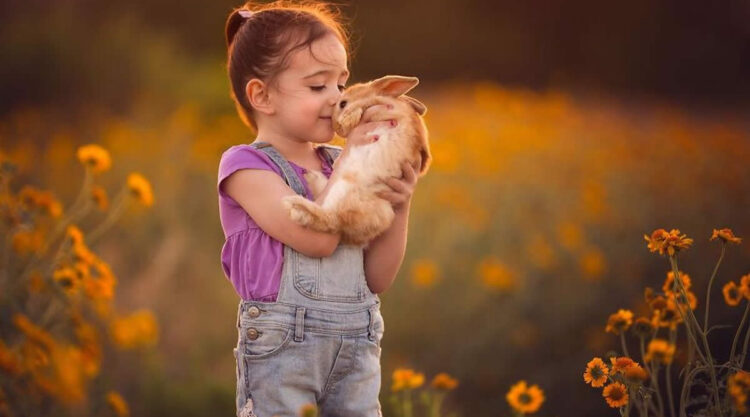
(252,333)
(253,311)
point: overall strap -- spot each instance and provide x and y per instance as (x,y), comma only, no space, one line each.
(290,176)
(330,153)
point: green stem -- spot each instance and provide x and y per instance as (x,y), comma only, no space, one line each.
(668,374)
(739,330)
(710,283)
(624,348)
(710,361)
(744,348)
(652,374)
(113,215)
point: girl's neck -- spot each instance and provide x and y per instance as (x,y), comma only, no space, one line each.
(289,148)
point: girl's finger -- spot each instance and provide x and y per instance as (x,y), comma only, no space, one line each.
(370,111)
(396,184)
(408,172)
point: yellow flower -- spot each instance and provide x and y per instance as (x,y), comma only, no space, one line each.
(136,330)
(424,272)
(726,235)
(118,404)
(660,350)
(621,363)
(635,373)
(569,235)
(33,332)
(596,373)
(525,399)
(67,278)
(739,389)
(669,282)
(732,293)
(308,410)
(140,188)
(620,321)
(94,157)
(670,242)
(28,241)
(642,327)
(9,360)
(75,234)
(495,274)
(99,195)
(443,381)
(404,378)
(616,394)
(592,263)
(745,285)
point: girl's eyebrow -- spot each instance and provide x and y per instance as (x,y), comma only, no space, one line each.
(345,72)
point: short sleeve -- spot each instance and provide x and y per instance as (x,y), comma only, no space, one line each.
(242,157)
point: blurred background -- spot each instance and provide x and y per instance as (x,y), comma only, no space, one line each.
(562,132)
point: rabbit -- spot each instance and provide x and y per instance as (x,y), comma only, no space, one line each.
(352,206)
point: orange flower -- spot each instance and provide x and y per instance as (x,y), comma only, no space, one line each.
(404,378)
(99,195)
(443,381)
(745,286)
(669,282)
(642,327)
(596,373)
(732,294)
(635,373)
(621,363)
(525,399)
(94,157)
(424,272)
(620,321)
(140,188)
(308,410)
(660,350)
(670,242)
(118,404)
(616,394)
(726,235)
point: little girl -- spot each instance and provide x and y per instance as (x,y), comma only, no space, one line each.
(309,317)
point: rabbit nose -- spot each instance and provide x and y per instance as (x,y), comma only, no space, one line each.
(342,104)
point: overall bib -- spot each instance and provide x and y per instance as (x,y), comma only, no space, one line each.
(319,343)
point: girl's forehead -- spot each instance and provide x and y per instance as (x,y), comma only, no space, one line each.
(324,56)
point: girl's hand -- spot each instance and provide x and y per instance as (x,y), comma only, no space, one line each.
(359,135)
(401,188)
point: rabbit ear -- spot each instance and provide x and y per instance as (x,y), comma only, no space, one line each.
(395,85)
(418,105)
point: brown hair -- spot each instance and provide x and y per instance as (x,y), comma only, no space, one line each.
(259,46)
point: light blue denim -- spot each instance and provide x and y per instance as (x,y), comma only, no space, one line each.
(318,343)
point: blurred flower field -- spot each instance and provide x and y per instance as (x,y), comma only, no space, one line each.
(526,234)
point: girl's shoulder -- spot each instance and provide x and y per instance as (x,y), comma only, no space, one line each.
(244,156)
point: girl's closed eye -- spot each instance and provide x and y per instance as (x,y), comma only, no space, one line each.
(321,87)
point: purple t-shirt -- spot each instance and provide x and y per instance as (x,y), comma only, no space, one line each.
(250,258)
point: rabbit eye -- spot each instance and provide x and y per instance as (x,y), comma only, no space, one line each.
(342,104)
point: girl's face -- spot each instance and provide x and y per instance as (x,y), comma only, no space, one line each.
(308,89)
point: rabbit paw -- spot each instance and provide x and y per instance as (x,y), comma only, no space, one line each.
(316,181)
(350,118)
(296,206)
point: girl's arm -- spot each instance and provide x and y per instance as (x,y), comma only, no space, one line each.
(384,254)
(259,192)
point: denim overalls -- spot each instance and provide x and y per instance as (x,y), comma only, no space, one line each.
(319,343)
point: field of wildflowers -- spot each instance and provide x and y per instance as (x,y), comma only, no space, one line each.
(524,234)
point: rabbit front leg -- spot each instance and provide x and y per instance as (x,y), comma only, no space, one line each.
(316,181)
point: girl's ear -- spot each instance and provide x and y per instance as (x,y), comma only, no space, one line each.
(394,85)
(256,92)
(418,105)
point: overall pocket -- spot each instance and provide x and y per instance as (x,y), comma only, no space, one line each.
(263,341)
(339,277)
